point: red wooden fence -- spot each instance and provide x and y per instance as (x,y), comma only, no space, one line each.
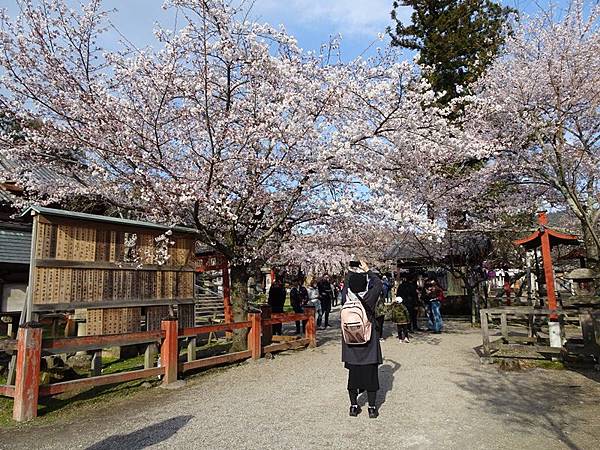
(29,346)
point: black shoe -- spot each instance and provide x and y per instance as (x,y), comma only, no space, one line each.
(355,410)
(373,412)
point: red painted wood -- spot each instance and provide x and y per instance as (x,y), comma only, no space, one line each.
(549,274)
(311,326)
(228,310)
(195,331)
(75,385)
(29,351)
(97,342)
(169,351)
(254,335)
(297,343)
(7,390)
(284,318)
(215,360)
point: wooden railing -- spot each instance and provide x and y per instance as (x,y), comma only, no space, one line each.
(29,347)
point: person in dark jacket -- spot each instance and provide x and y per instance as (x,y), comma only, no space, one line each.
(362,361)
(276,300)
(326,297)
(298,300)
(408,291)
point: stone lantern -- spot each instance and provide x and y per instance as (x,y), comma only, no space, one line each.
(584,281)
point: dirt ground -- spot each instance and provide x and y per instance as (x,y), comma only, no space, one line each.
(435,395)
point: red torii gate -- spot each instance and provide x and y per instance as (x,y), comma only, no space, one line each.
(546,238)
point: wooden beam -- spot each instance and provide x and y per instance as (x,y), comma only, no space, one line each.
(113,378)
(311,326)
(29,352)
(130,303)
(285,317)
(227,296)
(485,332)
(7,390)
(85,343)
(215,360)
(290,345)
(205,329)
(8,345)
(104,265)
(254,337)
(169,350)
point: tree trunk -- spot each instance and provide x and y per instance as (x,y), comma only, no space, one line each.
(239,304)
(474,300)
(591,247)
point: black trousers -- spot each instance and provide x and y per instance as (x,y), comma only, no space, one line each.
(412,312)
(300,310)
(326,305)
(402,330)
(277,327)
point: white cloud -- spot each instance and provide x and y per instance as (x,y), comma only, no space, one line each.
(358,17)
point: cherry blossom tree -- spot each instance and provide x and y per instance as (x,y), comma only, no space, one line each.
(540,104)
(271,152)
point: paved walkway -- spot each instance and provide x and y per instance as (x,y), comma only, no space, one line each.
(435,394)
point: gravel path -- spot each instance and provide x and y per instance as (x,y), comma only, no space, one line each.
(435,394)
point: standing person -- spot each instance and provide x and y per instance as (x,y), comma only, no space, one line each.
(276,300)
(435,296)
(408,291)
(398,314)
(386,288)
(362,361)
(325,296)
(298,300)
(313,297)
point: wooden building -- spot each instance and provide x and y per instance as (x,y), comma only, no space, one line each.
(108,270)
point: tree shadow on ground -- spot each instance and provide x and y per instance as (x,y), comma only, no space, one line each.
(530,401)
(144,437)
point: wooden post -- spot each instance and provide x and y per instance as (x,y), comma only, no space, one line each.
(191,349)
(548,268)
(149,355)
(227,296)
(267,332)
(504,326)
(29,352)
(169,350)
(254,335)
(311,326)
(485,332)
(554,328)
(97,363)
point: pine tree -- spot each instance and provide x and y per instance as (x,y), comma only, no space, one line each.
(456,39)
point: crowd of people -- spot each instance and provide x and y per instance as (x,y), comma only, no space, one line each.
(415,296)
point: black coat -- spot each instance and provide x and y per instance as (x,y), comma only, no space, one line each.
(277,298)
(369,353)
(408,292)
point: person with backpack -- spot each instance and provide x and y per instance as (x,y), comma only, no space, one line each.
(361,350)
(298,300)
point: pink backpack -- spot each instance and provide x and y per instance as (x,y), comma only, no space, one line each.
(356,326)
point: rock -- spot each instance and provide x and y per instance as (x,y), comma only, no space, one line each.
(172,386)
(146,385)
(81,362)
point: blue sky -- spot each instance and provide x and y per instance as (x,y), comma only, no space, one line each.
(312,22)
